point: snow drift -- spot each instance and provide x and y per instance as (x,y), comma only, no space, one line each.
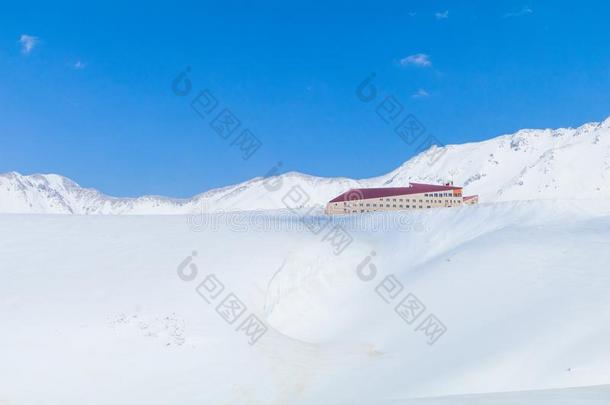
(93,308)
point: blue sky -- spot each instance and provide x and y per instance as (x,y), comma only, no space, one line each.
(86,91)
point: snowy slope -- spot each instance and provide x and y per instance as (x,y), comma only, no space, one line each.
(529,164)
(93,310)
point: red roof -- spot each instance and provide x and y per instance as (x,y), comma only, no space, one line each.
(470,197)
(414,188)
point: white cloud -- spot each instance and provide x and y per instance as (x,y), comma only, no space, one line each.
(441,15)
(28,42)
(526,10)
(419,59)
(79,65)
(421,93)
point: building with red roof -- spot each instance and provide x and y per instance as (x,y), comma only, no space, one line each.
(471,199)
(416,196)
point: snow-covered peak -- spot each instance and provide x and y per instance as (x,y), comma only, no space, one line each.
(564,163)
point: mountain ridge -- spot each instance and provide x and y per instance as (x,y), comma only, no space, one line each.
(529,164)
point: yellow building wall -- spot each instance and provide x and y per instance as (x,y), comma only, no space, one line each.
(396,203)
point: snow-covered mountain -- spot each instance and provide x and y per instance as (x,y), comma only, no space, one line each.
(565,163)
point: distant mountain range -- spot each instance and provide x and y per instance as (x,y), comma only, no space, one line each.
(565,163)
